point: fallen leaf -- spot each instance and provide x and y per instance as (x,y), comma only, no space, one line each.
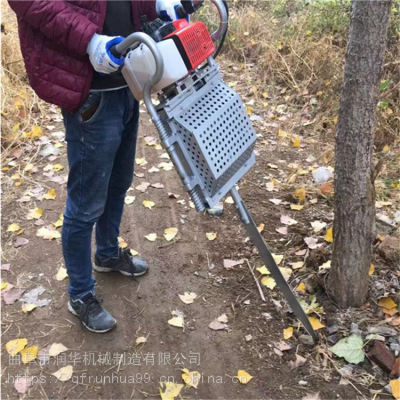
(312,243)
(12,295)
(188,297)
(263,270)
(329,235)
(141,161)
(50,195)
(152,237)
(26,308)
(153,169)
(141,340)
(129,199)
(61,274)
(59,222)
(148,204)
(296,142)
(300,194)
(260,227)
(296,207)
(316,323)
(326,265)
(13,347)
(57,167)
(56,349)
(288,333)
(64,374)
(122,243)
(275,201)
(36,213)
(170,390)
(244,377)
(22,384)
(176,321)
(3,285)
(191,378)
(395,386)
(268,282)
(350,348)
(223,318)
(157,185)
(318,226)
(387,303)
(371,270)
(326,188)
(211,235)
(166,166)
(283,230)
(143,186)
(133,252)
(297,265)
(286,220)
(29,354)
(48,234)
(164,156)
(13,228)
(299,362)
(286,272)
(301,288)
(229,200)
(170,233)
(229,264)
(278,258)
(217,326)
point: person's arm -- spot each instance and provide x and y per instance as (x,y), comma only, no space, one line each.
(58,21)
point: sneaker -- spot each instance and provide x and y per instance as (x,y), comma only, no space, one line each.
(124,263)
(93,315)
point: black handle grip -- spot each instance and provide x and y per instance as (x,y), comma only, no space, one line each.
(114,52)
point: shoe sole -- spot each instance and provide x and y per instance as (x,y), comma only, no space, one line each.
(104,269)
(73,312)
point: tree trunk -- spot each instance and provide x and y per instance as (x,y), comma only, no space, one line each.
(354,186)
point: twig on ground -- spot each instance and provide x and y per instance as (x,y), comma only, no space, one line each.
(257,283)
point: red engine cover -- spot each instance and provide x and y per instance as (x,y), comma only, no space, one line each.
(193,41)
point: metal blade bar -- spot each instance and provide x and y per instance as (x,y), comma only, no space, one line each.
(270,263)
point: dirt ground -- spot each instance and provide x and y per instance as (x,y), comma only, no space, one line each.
(189,263)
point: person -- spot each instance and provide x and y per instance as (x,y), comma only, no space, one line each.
(66,49)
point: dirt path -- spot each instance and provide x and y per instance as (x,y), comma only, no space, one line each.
(191,263)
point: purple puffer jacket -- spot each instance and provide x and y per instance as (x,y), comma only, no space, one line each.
(54,35)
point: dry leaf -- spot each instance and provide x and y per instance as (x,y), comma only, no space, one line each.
(326,188)
(268,282)
(13,228)
(129,199)
(59,222)
(244,377)
(371,270)
(36,213)
(143,186)
(50,195)
(3,285)
(153,169)
(300,194)
(148,204)
(300,361)
(329,236)
(387,303)
(170,390)
(187,297)
(29,354)
(141,161)
(315,323)
(296,142)
(23,384)
(297,265)
(260,227)
(223,318)
(296,207)
(64,374)
(278,258)
(26,308)
(176,321)
(56,349)
(283,230)
(48,234)
(263,270)
(170,233)
(166,166)
(122,243)
(301,288)
(287,220)
(133,252)
(217,326)
(318,226)
(229,200)
(152,237)
(61,274)
(13,347)
(191,378)
(211,235)
(141,340)
(229,264)
(288,333)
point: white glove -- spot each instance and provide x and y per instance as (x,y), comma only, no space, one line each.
(166,9)
(99,53)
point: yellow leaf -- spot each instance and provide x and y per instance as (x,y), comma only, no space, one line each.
(48,234)
(152,237)
(129,199)
(15,128)
(244,377)
(272,166)
(395,386)
(296,207)
(288,333)
(13,347)
(134,252)
(58,145)
(387,303)
(249,111)
(28,307)
(122,243)
(268,282)
(141,340)
(148,204)
(56,349)
(3,285)
(29,354)
(386,148)
(301,288)
(36,132)
(166,166)
(281,133)
(13,228)
(265,95)
(170,390)
(260,227)
(36,213)
(170,233)
(64,374)
(329,235)
(59,222)
(176,321)
(57,167)
(300,194)
(263,270)
(371,270)
(315,323)
(278,258)
(211,235)
(141,161)
(15,176)
(19,183)
(61,274)
(191,378)
(229,200)
(50,195)
(28,167)
(296,142)
(187,297)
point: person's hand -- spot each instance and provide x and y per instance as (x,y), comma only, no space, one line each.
(100,56)
(166,9)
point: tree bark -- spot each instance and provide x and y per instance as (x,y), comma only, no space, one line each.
(354,186)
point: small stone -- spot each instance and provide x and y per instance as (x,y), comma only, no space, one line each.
(303,383)
(248,338)
(395,347)
(382,330)
(389,249)
(333,339)
(382,356)
(354,329)
(306,339)
(266,315)
(333,329)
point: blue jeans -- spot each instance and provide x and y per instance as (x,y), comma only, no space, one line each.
(101,152)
